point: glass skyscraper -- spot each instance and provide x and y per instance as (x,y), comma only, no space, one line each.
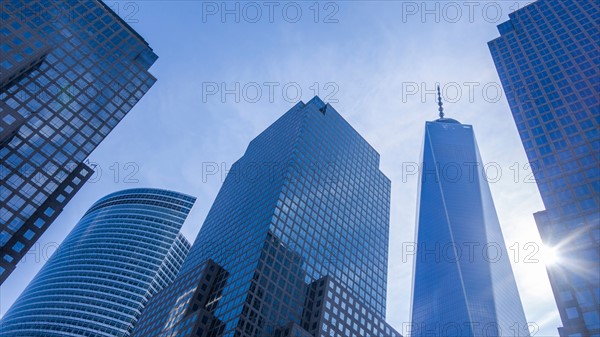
(69,72)
(126,247)
(295,244)
(463,284)
(547,58)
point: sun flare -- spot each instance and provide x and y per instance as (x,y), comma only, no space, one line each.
(549,255)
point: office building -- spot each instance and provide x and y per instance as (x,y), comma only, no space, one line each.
(69,72)
(126,248)
(463,284)
(295,244)
(547,60)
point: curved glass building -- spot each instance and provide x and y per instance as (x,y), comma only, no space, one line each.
(124,249)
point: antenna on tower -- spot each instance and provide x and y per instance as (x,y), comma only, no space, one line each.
(441,108)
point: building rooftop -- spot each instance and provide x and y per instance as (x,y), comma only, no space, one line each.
(447,120)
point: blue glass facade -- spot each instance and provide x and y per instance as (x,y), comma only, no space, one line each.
(547,59)
(307,200)
(69,72)
(463,283)
(126,248)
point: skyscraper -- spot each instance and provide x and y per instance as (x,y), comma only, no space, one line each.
(295,244)
(547,59)
(69,72)
(124,249)
(463,283)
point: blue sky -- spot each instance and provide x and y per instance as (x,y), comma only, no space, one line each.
(377,62)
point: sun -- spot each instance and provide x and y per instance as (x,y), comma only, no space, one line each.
(549,255)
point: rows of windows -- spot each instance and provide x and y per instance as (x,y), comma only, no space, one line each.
(345,316)
(346,188)
(104,272)
(547,60)
(558,126)
(166,313)
(70,92)
(318,219)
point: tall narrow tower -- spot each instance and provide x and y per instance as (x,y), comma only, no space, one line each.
(463,283)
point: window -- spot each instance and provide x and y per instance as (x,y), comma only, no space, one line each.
(18,247)
(591,319)
(39,223)
(572,313)
(49,211)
